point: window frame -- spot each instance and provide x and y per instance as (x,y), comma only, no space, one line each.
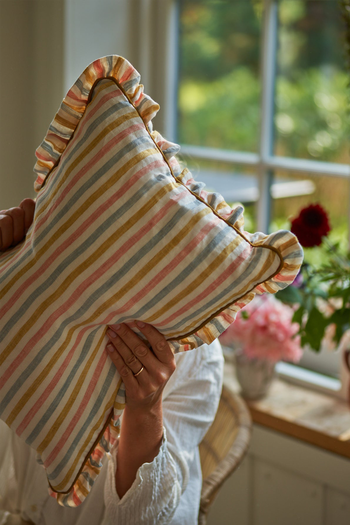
(165,20)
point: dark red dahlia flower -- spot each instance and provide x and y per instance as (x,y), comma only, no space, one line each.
(311,225)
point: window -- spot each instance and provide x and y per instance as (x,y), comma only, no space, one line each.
(262,102)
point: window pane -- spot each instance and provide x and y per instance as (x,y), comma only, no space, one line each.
(219,87)
(293,191)
(236,184)
(290,193)
(326,362)
(311,118)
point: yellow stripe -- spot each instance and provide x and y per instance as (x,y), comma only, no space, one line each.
(79,486)
(64,122)
(38,381)
(90,76)
(198,281)
(57,145)
(98,425)
(98,193)
(198,324)
(57,294)
(102,86)
(208,334)
(158,257)
(75,393)
(119,406)
(119,63)
(69,121)
(221,206)
(121,120)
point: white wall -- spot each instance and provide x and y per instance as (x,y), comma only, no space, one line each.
(31,41)
(15,95)
(44,46)
(93,28)
(142,31)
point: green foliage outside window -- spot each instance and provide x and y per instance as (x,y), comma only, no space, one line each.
(220,86)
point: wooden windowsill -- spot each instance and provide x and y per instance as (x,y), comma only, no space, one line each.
(309,416)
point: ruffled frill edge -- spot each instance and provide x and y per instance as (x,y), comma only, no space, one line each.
(283,242)
(74,105)
(92,466)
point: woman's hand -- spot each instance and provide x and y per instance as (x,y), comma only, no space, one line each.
(145,373)
(15,222)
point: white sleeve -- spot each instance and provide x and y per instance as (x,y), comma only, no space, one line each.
(189,405)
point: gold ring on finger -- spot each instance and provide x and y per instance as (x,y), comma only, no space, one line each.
(139,372)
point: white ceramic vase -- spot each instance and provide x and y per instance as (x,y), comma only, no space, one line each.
(254,375)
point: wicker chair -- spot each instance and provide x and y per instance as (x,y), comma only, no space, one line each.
(223,447)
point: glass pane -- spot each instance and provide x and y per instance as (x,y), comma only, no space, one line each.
(219,87)
(293,191)
(290,193)
(236,184)
(311,118)
(326,362)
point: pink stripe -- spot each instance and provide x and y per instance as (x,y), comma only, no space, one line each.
(98,68)
(73,96)
(283,278)
(136,102)
(90,164)
(79,412)
(127,74)
(72,183)
(84,286)
(227,317)
(169,267)
(98,454)
(204,195)
(53,137)
(77,501)
(91,112)
(73,237)
(42,157)
(40,402)
(215,284)
(53,383)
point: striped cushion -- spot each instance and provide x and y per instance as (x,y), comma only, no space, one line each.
(121,232)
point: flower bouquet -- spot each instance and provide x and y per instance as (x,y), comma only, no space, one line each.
(320,295)
(262,334)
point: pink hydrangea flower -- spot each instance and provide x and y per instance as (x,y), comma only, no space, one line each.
(264,330)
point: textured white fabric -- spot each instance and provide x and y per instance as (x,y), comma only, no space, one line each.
(165,491)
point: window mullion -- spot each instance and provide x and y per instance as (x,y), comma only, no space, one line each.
(268,64)
(349,221)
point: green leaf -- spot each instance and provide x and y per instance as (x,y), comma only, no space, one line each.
(345,294)
(315,328)
(341,318)
(289,295)
(298,315)
(310,303)
(320,293)
(304,341)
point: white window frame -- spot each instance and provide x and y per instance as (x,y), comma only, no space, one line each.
(161,48)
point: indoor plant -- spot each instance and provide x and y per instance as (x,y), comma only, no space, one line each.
(320,294)
(262,334)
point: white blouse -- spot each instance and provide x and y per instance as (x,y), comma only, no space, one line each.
(165,491)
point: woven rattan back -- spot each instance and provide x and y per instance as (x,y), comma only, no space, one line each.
(223,447)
